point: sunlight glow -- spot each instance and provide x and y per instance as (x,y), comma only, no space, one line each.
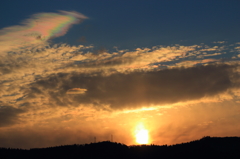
(141,134)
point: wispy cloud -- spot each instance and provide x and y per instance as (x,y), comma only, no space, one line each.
(38,29)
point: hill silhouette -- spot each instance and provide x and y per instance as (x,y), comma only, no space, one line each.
(207,147)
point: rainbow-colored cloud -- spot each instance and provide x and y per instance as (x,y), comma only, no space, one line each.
(38,29)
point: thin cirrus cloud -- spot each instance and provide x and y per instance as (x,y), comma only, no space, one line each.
(38,29)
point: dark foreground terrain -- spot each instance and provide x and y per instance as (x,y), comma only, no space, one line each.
(207,147)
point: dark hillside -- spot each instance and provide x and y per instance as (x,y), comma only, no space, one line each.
(207,147)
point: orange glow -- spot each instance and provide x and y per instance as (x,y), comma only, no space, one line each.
(141,134)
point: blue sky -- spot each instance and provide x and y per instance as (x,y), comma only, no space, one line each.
(137,23)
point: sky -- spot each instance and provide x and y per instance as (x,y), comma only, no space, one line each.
(75,71)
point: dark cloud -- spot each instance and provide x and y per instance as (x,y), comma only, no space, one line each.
(136,89)
(109,62)
(9,64)
(5,68)
(9,115)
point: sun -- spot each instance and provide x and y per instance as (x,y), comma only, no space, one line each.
(141,134)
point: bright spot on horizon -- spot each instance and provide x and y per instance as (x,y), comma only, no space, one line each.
(141,134)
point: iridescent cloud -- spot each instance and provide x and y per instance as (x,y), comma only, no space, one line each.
(38,29)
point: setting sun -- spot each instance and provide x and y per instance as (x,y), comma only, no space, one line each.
(141,134)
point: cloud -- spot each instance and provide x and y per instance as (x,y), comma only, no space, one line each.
(38,29)
(192,63)
(137,89)
(220,42)
(139,58)
(9,115)
(76,91)
(19,70)
(63,90)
